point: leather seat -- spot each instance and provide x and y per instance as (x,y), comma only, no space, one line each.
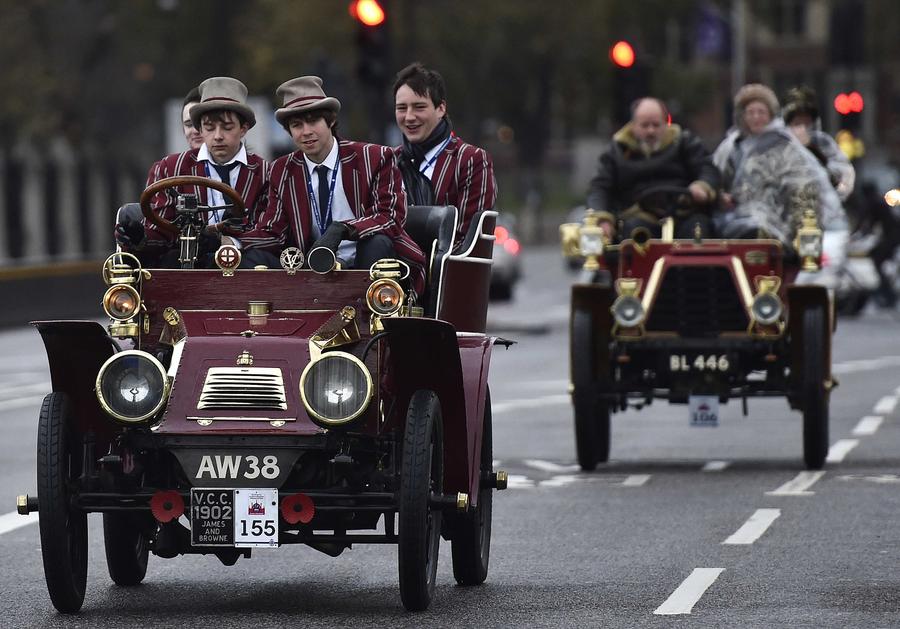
(433,228)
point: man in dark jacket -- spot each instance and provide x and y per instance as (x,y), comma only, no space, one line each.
(646,153)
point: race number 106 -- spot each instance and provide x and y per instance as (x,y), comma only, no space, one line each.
(712,362)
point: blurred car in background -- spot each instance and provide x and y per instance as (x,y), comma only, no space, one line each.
(507,267)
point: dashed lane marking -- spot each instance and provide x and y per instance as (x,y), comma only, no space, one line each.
(683,599)
(635,480)
(881,479)
(753,528)
(559,481)
(715,466)
(519,481)
(799,485)
(866,364)
(19,389)
(550,466)
(840,449)
(535,402)
(12,521)
(868,425)
(8,405)
(886,405)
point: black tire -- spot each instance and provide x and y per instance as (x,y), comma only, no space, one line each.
(471,544)
(64,545)
(422,473)
(814,394)
(127,548)
(592,425)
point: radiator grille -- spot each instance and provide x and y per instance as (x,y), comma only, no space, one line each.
(252,388)
(697,301)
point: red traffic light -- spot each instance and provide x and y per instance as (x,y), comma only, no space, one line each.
(851,103)
(369,12)
(622,54)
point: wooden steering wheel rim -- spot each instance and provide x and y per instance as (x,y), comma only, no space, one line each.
(166,226)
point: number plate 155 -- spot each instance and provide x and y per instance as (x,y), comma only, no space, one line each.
(700,362)
(234,517)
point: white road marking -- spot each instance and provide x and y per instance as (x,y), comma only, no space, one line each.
(886,405)
(12,521)
(868,425)
(635,480)
(840,449)
(559,481)
(884,479)
(868,364)
(715,466)
(799,485)
(535,402)
(683,599)
(8,405)
(19,389)
(549,466)
(519,481)
(753,528)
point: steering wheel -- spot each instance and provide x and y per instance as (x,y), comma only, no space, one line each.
(662,201)
(165,225)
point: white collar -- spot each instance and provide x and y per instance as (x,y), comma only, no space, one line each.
(241,156)
(330,160)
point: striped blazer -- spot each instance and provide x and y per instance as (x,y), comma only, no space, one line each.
(373,185)
(464,178)
(252,185)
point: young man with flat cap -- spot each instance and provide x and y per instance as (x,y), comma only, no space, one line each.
(438,167)
(346,196)
(223,118)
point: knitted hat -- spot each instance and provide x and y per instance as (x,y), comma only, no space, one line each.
(756,91)
(800,100)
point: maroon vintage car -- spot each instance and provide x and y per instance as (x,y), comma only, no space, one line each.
(696,322)
(229,409)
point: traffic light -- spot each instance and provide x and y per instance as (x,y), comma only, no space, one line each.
(630,80)
(372,43)
(849,106)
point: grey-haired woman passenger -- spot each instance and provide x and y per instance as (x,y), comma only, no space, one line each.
(769,178)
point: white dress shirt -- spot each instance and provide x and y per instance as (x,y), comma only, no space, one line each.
(340,206)
(214,197)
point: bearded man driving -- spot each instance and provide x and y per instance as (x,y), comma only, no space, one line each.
(646,153)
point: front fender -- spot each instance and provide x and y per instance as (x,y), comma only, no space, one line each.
(427,354)
(75,351)
(595,300)
(799,298)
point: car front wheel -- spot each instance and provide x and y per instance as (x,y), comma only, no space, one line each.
(63,529)
(422,473)
(813,389)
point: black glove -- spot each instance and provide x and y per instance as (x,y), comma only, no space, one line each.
(130,234)
(208,242)
(332,237)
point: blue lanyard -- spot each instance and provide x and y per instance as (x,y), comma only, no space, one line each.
(315,202)
(426,165)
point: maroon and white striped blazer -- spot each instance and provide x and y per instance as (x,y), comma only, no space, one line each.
(464,178)
(373,185)
(252,186)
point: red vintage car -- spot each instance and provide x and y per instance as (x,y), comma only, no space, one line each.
(696,322)
(229,409)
